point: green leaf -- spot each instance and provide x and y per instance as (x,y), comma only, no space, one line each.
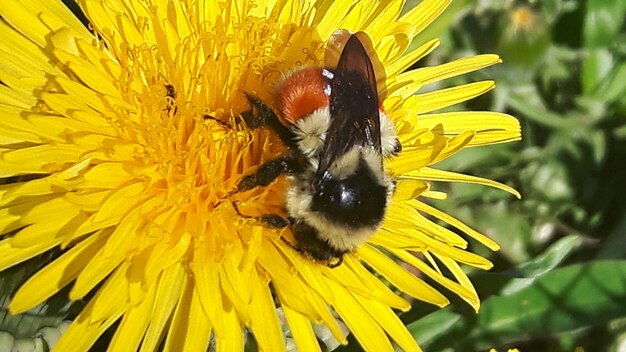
(596,67)
(603,22)
(529,103)
(433,326)
(614,245)
(613,87)
(563,300)
(544,263)
(510,229)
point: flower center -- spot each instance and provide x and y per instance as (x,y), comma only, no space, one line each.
(188,96)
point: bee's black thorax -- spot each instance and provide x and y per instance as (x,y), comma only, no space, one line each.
(356,201)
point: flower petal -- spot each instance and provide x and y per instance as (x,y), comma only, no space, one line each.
(190,330)
(407,83)
(424,13)
(403,280)
(365,328)
(490,127)
(301,329)
(427,173)
(263,320)
(390,322)
(442,98)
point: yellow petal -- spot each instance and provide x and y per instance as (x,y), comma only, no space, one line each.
(190,329)
(133,326)
(380,291)
(288,285)
(460,275)
(89,74)
(424,13)
(82,333)
(427,173)
(413,158)
(404,219)
(385,14)
(331,18)
(53,227)
(37,160)
(409,82)
(402,279)
(38,59)
(208,287)
(12,256)
(301,330)
(108,258)
(57,15)
(366,330)
(355,20)
(15,98)
(232,338)
(198,327)
(106,175)
(171,282)
(263,320)
(461,291)
(490,127)
(456,223)
(119,201)
(25,21)
(442,98)
(66,104)
(403,63)
(390,322)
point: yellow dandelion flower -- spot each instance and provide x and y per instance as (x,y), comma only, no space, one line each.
(128,135)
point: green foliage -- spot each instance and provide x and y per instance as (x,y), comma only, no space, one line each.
(558,282)
(574,297)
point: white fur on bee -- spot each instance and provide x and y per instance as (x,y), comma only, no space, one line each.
(388,135)
(347,164)
(311,132)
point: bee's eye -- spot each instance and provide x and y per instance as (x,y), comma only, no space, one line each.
(398,147)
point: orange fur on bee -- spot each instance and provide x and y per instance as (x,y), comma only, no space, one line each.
(301,93)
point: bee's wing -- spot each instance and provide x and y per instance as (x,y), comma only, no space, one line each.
(334,48)
(354,111)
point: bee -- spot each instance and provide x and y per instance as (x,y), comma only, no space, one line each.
(337,137)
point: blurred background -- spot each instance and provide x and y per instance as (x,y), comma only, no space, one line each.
(559,281)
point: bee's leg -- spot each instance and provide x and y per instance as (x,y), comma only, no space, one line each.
(335,263)
(331,262)
(273,221)
(311,245)
(263,116)
(268,172)
(223,124)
